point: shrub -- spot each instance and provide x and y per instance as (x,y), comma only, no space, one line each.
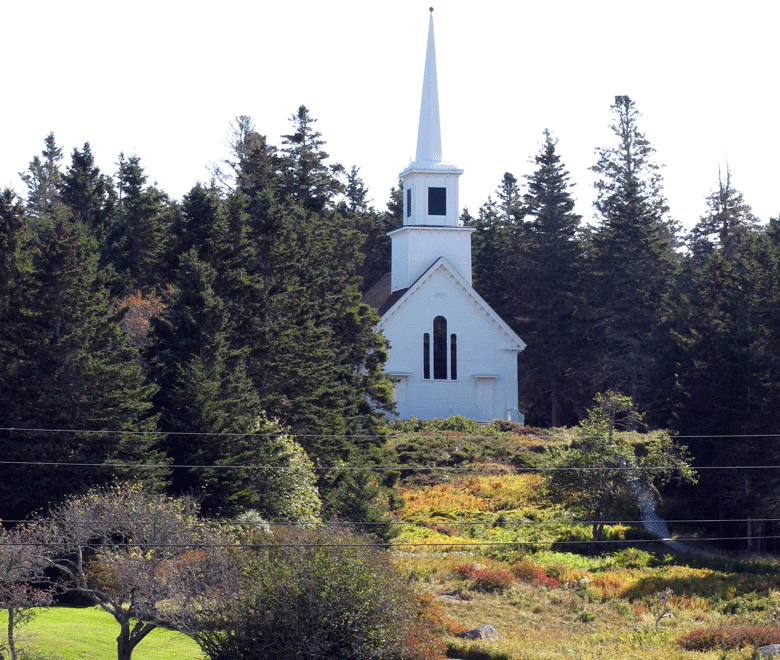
(483,578)
(489,580)
(314,592)
(729,637)
(531,573)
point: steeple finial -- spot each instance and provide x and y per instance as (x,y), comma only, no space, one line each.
(429,131)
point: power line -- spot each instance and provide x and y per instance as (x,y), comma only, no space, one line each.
(396,546)
(401,523)
(486,467)
(432,433)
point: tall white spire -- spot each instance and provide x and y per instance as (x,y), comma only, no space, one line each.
(429,131)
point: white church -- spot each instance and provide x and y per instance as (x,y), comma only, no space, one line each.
(450,353)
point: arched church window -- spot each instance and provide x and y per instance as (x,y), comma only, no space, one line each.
(426,356)
(453,357)
(440,348)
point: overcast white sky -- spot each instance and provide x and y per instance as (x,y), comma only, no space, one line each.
(163,79)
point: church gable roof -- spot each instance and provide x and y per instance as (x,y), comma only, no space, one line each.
(380,297)
(441,265)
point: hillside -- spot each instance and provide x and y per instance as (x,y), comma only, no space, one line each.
(481,539)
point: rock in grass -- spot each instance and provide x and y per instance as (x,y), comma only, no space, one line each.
(483,632)
(770,651)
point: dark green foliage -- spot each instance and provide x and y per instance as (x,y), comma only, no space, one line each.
(528,266)
(358,500)
(305,177)
(728,219)
(630,261)
(88,194)
(67,366)
(139,231)
(550,276)
(12,255)
(372,227)
(601,474)
(253,165)
(44,180)
(314,593)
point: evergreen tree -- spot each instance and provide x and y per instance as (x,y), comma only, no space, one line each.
(631,262)
(494,253)
(67,367)
(253,165)
(13,222)
(510,200)
(372,228)
(549,281)
(44,180)
(89,195)
(208,406)
(728,218)
(727,376)
(140,229)
(306,178)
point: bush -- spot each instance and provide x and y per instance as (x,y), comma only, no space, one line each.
(729,637)
(315,592)
(485,579)
(531,573)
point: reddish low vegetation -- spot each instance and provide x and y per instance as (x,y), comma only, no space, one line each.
(485,579)
(729,637)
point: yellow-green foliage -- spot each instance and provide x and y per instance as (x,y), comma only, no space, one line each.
(472,497)
(563,605)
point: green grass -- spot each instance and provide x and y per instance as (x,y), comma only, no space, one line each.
(89,633)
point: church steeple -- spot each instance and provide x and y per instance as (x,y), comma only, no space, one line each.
(430,183)
(429,131)
(431,229)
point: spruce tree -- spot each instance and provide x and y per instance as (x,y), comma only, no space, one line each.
(306,178)
(89,194)
(630,262)
(728,218)
(139,231)
(549,275)
(44,180)
(71,377)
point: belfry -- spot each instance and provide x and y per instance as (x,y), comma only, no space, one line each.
(449,351)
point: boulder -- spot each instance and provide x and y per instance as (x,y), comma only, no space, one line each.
(483,632)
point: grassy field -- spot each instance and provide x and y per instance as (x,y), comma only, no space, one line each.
(88,633)
(536,585)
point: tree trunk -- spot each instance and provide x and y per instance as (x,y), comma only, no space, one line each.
(11,640)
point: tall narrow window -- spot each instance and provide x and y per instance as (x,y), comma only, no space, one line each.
(440,348)
(408,202)
(453,357)
(437,201)
(426,356)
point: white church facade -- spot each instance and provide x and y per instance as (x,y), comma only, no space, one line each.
(450,353)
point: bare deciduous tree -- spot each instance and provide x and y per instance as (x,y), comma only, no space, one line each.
(130,552)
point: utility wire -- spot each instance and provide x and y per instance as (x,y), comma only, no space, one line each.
(430,433)
(486,467)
